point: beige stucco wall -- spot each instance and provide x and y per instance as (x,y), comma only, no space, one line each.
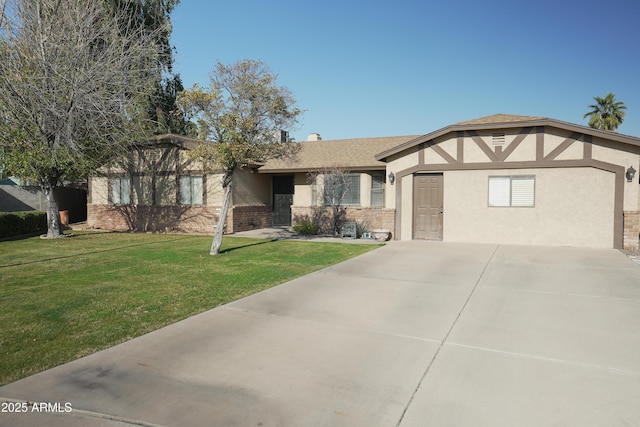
(525,152)
(98,191)
(251,188)
(302,190)
(406,219)
(213,188)
(567,212)
(612,153)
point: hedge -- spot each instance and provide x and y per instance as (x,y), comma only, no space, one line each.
(21,223)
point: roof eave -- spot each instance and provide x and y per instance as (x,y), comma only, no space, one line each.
(300,170)
(626,139)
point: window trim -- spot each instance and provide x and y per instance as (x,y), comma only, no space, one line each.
(380,190)
(511,179)
(356,177)
(191,192)
(119,180)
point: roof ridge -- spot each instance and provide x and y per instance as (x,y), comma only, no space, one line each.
(500,118)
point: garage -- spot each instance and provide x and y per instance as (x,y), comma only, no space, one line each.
(518,180)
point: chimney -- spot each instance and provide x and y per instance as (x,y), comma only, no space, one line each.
(314,137)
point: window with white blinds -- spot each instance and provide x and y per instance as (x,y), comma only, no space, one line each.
(515,191)
(377,189)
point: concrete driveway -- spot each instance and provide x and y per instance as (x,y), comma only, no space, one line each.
(412,334)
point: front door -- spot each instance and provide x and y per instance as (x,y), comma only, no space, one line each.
(427,206)
(282,200)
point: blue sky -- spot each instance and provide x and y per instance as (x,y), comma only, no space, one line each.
(381,68)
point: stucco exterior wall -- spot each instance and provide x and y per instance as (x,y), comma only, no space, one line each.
(612,153)
(567,212)
(406,219)
(251,189)
(302,190)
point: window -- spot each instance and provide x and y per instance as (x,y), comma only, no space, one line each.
(191,190)
(377,189)
(120,190)
(515,191)
(342,189)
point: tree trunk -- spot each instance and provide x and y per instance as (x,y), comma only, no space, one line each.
(54,227)
(217,237)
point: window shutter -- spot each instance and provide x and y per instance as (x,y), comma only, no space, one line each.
(499,190)
(522,191)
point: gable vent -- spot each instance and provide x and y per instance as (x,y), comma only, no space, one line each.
(497,138)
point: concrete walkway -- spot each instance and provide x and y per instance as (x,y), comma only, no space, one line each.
(411,334)
(287,233)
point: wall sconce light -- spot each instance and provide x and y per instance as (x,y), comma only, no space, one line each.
(631,172)
(392,177)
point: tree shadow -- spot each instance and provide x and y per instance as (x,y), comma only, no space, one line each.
(248,245)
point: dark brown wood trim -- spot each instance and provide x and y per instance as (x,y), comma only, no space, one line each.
(460,147)
(539,123)
(618,209)
(396,232)
(442,153)
(539,143)
(514,144)
(587,148)
(421,148)
(563,146)
(483,145)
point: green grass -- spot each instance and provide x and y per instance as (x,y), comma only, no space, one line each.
(66,298)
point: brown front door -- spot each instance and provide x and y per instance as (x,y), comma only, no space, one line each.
(427,206)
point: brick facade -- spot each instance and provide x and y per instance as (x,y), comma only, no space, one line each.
(631,239)
(243,218)
(187,219)
(371,217)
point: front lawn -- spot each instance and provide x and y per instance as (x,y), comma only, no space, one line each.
(66,298)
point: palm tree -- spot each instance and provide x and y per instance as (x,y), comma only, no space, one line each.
(607,113)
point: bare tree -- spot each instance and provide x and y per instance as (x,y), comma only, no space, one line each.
(335,184)
(74,81)
(242,112)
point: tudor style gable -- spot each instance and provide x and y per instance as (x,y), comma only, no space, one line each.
(512,146)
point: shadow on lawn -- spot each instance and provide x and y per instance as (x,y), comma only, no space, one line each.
(249,244)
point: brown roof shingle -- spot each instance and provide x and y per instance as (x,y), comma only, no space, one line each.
(354,154)
(500,118)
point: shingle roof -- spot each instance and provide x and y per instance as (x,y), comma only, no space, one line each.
(354,154)
(500,118)
(505,121)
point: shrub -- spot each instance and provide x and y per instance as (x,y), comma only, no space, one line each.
(306,227)
(362,227)
(21,223)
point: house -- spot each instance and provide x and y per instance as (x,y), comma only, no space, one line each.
(517,180)
(160,188)
(499,179)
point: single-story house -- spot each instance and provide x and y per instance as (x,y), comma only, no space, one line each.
(499,179)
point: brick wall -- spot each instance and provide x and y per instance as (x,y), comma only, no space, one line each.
(374,217)
(243,218)
(188,219)
(193,219)
(631,239)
